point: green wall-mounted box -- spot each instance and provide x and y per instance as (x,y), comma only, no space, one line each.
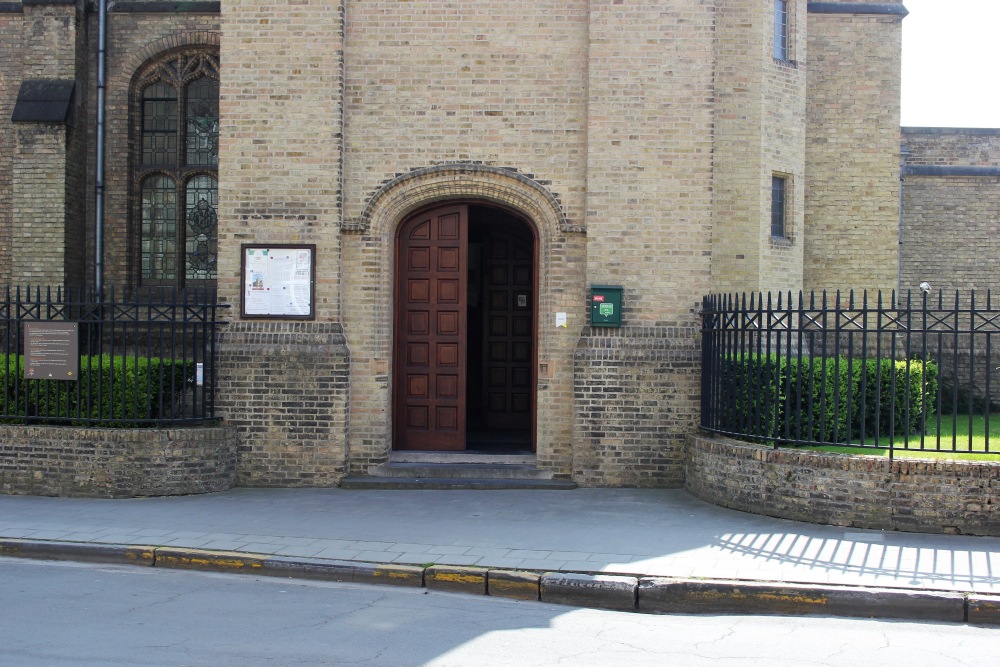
(606,305)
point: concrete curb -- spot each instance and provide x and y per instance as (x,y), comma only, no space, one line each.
(285,566)
(984,609)
(127,554)
(605,591)
(455,579)
(662,595)
(514,584)
(652,595)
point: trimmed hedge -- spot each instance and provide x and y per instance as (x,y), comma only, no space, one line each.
(775,396)
(10,367)
(118,389)
(914,402)
(818,399)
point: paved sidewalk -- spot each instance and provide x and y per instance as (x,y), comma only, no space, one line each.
(624,531)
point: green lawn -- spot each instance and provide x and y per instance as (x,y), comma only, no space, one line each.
(933,449)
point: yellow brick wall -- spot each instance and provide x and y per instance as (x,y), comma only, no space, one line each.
(38,243)
(783,139)
(49,41)
(441,81)
(759,132)
(10,81)
(46,170)
(649,169)
(281,139)
(852,151)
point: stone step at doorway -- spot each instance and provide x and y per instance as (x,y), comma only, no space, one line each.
(458,470)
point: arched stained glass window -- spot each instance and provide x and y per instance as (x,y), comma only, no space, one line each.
(159,124)
(159,229)
(201,236)
(176,121)
(203,121)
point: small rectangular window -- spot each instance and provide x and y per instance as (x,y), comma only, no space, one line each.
(781,30)
(779,192)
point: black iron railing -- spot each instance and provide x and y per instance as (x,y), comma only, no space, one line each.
(141,359)
(890,371)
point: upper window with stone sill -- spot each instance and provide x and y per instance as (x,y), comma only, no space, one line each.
(779,208)
(781,24)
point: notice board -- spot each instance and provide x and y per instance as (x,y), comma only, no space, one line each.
(279,281)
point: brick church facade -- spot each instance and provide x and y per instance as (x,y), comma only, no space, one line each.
(462,173)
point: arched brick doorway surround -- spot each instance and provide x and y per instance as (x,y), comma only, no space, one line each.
(369,277)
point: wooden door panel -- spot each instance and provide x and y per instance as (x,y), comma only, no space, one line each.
(448,291)
(430,346)
(447,355)
(447,420)
(421,230)
(447,386)
(448,260)
(416,386)
(418,323)
(418,291)
(451,224)
(418,259)
(418,354)
(416,417)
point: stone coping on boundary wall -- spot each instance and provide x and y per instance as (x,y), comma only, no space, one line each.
(116,463)
(917,495)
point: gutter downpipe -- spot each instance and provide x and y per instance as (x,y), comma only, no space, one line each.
(102,39)
(903,154)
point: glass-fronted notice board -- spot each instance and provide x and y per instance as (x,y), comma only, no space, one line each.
(279,281)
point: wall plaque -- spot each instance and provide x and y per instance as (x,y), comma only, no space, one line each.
(51,351)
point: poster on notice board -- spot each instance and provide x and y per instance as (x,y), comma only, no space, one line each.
(279,281)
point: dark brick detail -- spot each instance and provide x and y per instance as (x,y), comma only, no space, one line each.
(189,7)
(116,463)
(636,398)
(926,496)
(934,170)
(283,386)
(875,8)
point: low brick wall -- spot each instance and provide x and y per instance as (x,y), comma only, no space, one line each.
(635,399)
(116,463)
(927,495)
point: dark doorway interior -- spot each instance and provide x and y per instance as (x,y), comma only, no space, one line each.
(501,312)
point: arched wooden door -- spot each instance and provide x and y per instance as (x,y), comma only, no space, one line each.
(464,331)
(431,322)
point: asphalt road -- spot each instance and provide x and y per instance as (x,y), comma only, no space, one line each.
(56,614)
